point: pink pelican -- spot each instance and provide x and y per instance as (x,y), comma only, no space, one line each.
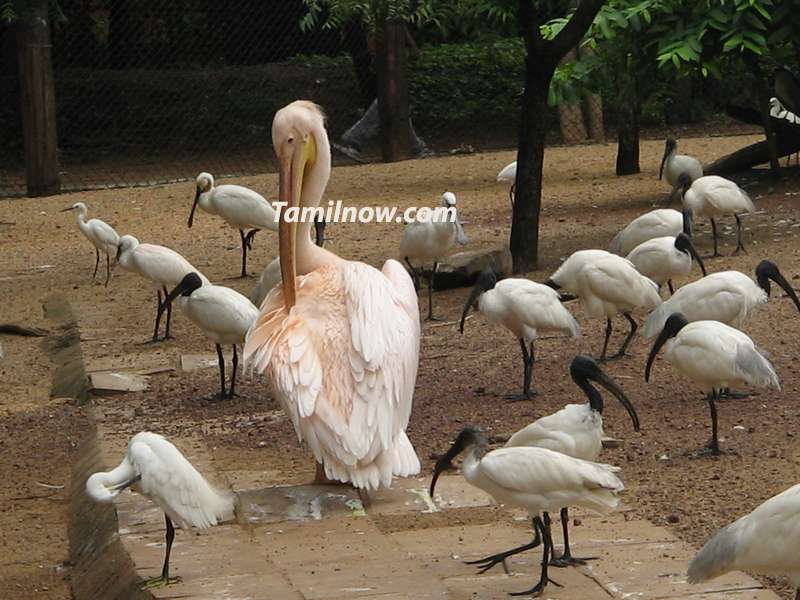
(338,339)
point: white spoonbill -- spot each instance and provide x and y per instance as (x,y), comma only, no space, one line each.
(714,356)
(524,308)
(766,541)
(576,430)
(430,240)
(712,196)
(240,207)
(729,297)
(673,165)
(508,174)
(663,259)
(653,224)
(155,468)
(223,314)
(339,342)
(535,479)
(607,285)
(271,275)
(164,267)
(101,234)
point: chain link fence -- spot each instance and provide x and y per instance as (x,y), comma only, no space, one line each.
(154,91)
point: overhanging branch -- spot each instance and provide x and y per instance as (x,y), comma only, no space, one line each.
(574,30)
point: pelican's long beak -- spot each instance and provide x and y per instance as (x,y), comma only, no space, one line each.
(194,206)
(290,187)
(611,385)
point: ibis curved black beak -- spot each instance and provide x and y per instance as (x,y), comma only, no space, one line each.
(609,384)
(467,437)
(673,325)
(688,222)
(69,208)
(477,290)
(663,161)
(684,244)
(194,207)
(768,270)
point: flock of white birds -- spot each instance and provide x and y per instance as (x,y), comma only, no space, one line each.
(338,344)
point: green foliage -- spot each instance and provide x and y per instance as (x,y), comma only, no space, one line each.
(334,14)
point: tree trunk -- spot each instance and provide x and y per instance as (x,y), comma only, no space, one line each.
(393,104)
(763,103)
(787,142)
(570,115)
(628,137)
(38,100)
(355,39)
(594,106)
(530,159)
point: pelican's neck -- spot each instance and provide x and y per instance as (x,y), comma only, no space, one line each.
(309,256)
(100,485)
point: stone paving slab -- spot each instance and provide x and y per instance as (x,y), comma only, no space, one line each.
(317,543)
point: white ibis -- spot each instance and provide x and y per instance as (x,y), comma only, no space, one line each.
(100,234)
(508,174)
(714,356)
(238,206)
(271,275)
(223,314)
(338,339)
(673,165)
(576,430)
(535,479)
(164,267)
(712,196)
(155,468)
(653,224)
(663,259)
(607,285)
(729,297)
(430,240)
(524,308)
(764,541)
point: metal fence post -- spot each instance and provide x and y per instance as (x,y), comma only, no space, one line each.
(37,97)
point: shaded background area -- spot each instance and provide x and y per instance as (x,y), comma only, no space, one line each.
(155,91)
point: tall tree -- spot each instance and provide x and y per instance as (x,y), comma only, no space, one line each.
(543,54)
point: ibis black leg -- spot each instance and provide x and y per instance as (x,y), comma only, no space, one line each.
(96,262)
(546,555)
(730,394)
(414,274)
(714,231)
(232,393)
(431,277)
(167,336)
(713,444)
(566,559)
(671,289)
(739,245)
(170,538)
(159,311)
(527,366)
(108,269)
(628,339)
(486,563)
(221,360)
(605,343)
(244,254)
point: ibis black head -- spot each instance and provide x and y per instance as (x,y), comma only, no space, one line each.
(188,284)
(683,243)
(485,282)
(669,148)
(467,438)
(585,369)
(673,325)
(768,270)
(319,230)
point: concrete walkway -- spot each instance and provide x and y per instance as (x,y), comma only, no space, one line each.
(316,542)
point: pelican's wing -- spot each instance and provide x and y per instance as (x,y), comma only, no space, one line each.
(171,481)
(343,363)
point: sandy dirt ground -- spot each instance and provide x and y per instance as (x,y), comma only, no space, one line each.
(462,378)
